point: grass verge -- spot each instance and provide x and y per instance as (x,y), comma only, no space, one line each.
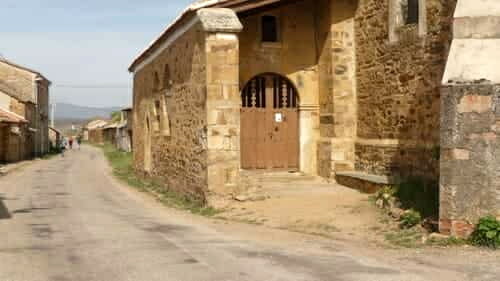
(122,165)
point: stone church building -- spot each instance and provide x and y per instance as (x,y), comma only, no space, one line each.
(344,89)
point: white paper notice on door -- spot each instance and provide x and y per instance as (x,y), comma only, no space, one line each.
(278,117)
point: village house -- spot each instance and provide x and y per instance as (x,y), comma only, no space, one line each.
(55,138)
(14,134)
(124,130)
(344,89)
(26,93)
(93,131)
(109,133)
(13,131)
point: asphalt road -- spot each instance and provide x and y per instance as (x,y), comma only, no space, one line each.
(68,219)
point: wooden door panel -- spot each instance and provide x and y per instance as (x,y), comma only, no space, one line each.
(268,142)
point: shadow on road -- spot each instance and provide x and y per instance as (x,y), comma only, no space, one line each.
(4,212)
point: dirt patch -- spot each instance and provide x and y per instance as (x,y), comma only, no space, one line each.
(309,206)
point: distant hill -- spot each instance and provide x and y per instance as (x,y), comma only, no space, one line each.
(65,111)
(68,116)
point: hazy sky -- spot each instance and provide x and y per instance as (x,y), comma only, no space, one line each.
(83,47)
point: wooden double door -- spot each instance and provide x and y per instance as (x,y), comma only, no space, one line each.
(269,124)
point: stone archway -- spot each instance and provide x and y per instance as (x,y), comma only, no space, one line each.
(269,123)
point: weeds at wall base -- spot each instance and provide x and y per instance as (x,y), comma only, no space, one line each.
(121,163)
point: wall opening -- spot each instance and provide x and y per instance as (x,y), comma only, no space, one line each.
(147,147)
(167,82)
(156,82)
(411,11)
(165,120)
(407,19)
(269,29)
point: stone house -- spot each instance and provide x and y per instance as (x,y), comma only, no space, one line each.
(31,89)
(91,126)
(109,133)
(13,131)
(343,89)
(16,141)
(93,133)
(124,130)
(55,138)
(96,136)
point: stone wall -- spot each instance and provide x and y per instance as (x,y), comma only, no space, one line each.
(470,119)
(13,139)
(186,126)
(179,158)
(4,135)
(30,115)
(223,113)
(96,136)
(337,93)
(398,88)
(21,80)
(15,144)
(29,87)
(43,116)
(470,162)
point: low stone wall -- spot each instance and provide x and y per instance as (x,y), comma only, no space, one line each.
(470,156)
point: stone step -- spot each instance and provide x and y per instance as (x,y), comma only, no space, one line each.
(270,179)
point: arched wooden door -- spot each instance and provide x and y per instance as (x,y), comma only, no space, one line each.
(269,124)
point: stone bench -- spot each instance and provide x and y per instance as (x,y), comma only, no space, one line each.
(364,182)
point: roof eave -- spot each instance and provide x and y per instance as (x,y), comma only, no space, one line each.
(24,68)
(189,11)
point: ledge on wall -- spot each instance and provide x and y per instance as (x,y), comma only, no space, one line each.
(365,182)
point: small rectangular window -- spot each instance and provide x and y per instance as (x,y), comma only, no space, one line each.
(412,12)
(269,29)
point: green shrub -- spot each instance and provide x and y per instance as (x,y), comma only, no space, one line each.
(386,194)
(410,219)
(487,233)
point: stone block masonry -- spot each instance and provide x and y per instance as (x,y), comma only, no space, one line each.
(223,113)
(470,156)
(398,88)
(177,159)
(470,120)
(186,108)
